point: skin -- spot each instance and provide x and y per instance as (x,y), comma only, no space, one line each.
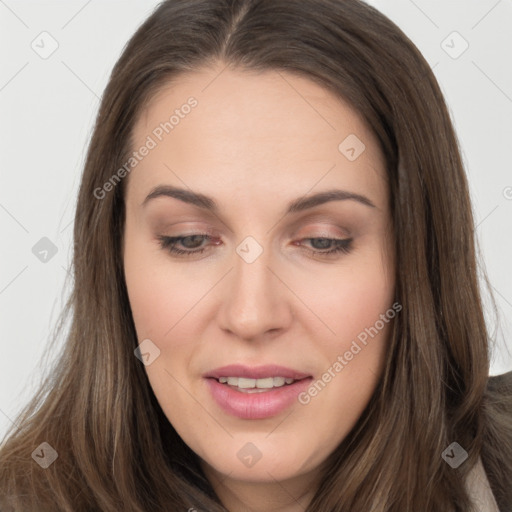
(255,142)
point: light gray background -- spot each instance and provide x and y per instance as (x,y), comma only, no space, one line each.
(47,107)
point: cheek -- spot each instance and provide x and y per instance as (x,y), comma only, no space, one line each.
(155,304)
(161,300)
(355,306)
(360,301)
(348,298)
(159,293)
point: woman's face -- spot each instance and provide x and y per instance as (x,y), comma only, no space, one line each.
(260,283)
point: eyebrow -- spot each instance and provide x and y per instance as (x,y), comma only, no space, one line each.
(298,205)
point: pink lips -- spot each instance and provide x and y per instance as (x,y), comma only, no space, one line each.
(254,406)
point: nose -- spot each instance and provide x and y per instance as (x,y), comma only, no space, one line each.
(255,301)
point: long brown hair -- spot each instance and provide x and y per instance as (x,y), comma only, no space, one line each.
(116,449)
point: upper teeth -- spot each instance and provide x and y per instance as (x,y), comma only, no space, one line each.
(242,382)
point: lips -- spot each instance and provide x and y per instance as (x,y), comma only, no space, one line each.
(256,372)
(252,403)
(256,405)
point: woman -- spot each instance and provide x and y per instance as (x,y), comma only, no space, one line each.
(322,351)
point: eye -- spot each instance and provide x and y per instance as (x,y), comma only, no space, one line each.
(329,246)
(193,244)
(190,242)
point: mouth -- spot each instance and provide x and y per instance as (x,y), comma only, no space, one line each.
(246,385)
(262,372)
(257,392)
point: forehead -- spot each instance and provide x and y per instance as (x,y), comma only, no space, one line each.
(254,131)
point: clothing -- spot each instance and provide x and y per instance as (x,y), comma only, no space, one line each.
(480,490)
(499,391)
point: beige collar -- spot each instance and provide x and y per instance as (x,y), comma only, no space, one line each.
(479,489)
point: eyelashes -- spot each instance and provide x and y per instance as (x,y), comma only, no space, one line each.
(328,246)
(169,243)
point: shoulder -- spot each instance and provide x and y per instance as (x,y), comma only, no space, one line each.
(500,383)
(497,437)
(479,489)
(498,399)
